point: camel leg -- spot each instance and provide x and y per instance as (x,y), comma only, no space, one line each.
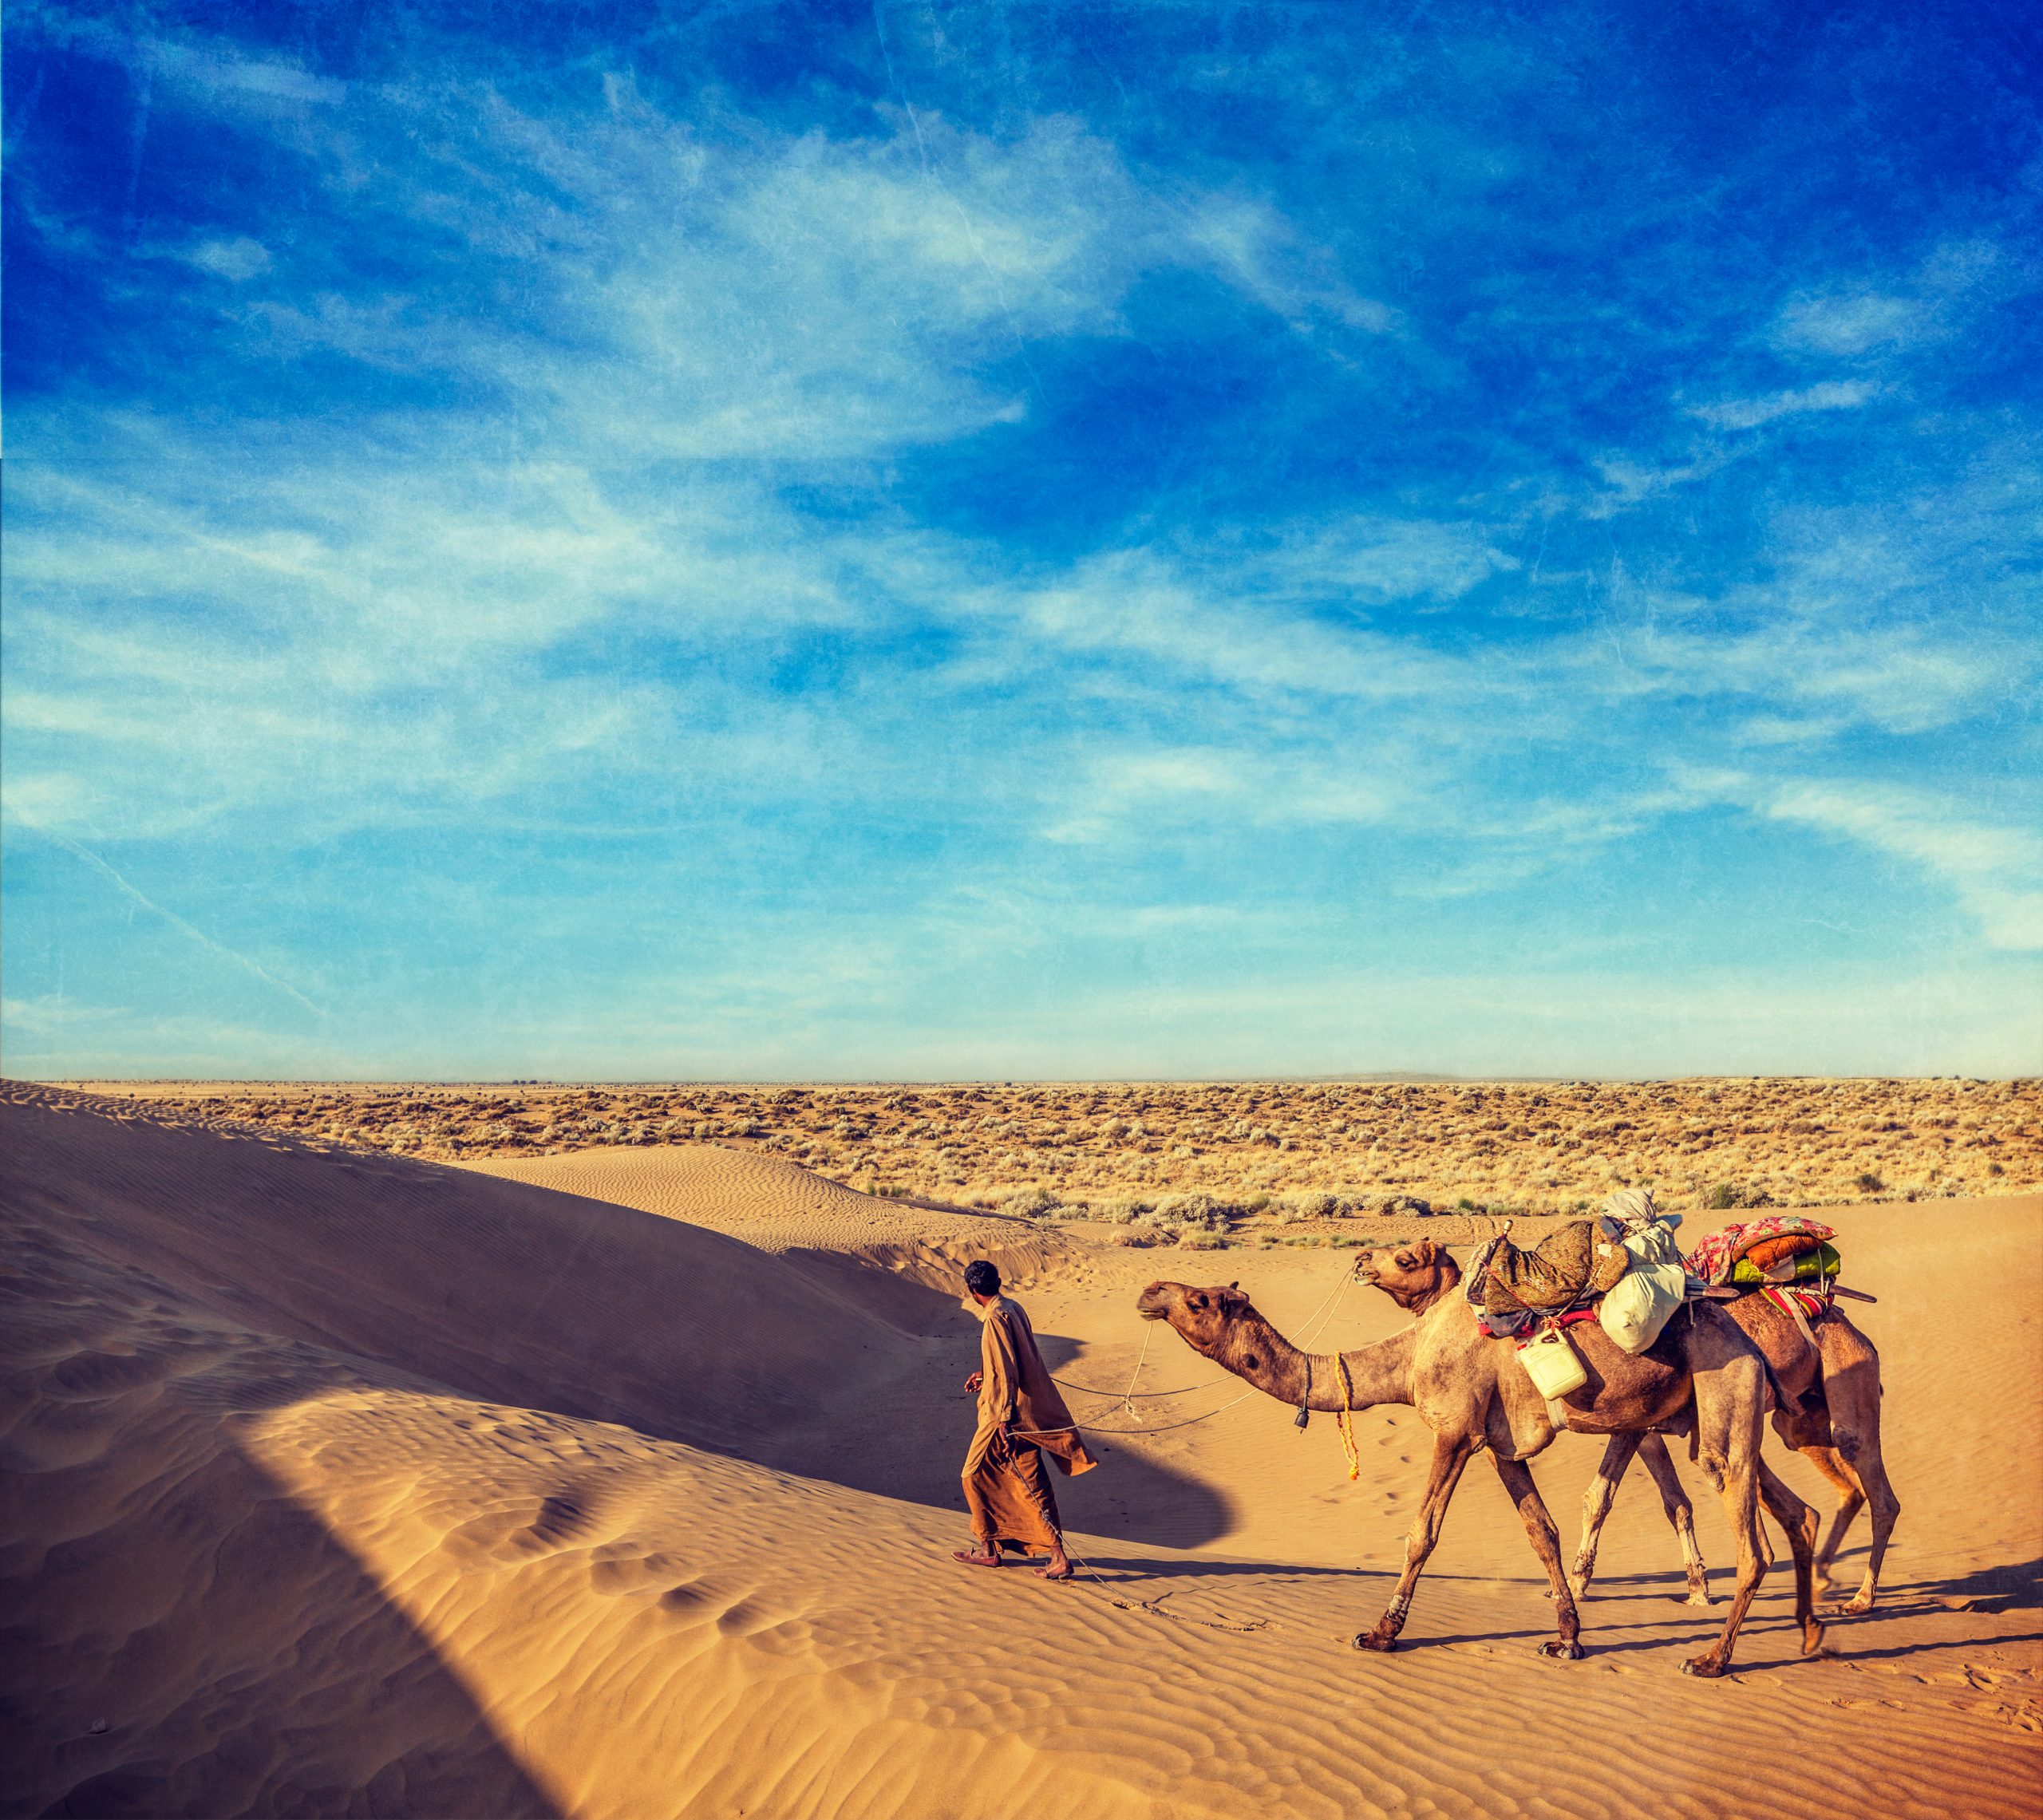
(1538,1522)
(1851,1501)
(1867,1477)
(1681,1514)
(1729,1409)
(1673,1500)
(1886,1508)
(1451,1454)
(1596,1506)
(1799,1520)
(1851,1388)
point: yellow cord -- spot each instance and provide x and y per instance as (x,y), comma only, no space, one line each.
(1347,1429)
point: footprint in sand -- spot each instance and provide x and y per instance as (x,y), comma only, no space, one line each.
(618,1575)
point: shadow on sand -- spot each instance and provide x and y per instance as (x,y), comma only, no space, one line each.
(418,1277)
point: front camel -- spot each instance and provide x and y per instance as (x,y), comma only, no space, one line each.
(1471,1391)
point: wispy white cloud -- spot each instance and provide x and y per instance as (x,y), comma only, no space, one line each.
(1749,413)
(1111,794)
(1895,677)
(218,70)
(1248,243)
(1849,322)
(1221,625)
(756,296)
(1997,872)
(237,258)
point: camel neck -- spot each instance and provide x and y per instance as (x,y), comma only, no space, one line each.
(1379,1373)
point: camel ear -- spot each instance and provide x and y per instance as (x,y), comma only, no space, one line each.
(1425,1251)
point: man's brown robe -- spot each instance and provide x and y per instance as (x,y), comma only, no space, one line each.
(1021,1418)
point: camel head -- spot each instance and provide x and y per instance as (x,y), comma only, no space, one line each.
(1204,1319)
(1414,1276)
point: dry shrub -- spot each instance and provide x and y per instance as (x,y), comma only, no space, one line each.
(1247,1147)
(1200,1212)
(1030,1204)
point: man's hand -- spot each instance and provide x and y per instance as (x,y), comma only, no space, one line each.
(973,1382)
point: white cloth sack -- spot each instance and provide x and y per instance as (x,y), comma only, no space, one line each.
(1650,1291)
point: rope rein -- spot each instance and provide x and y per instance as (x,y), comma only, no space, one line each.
(1084,1569)
(1314,1321)
(1346,1424)
(1154,1606)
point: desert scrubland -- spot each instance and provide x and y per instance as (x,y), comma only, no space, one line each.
(622,1480)
(1545,1148)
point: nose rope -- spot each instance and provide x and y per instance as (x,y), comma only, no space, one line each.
(1314,1321)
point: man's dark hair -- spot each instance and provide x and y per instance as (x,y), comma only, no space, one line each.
(981,1278)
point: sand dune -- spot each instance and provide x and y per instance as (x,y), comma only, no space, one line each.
(339,1484)
(836,1237)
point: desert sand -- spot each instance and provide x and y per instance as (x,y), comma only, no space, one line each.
(621,1483)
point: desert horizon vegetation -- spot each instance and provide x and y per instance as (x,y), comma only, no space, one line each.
(1206,1159)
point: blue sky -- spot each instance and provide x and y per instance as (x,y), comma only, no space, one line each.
(763,541)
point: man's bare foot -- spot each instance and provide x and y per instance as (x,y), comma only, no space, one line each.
(1057,1567)
(977,1557)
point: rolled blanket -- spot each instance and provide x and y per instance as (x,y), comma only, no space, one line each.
(1814,1266)
(1717,1255)
(1769,1252)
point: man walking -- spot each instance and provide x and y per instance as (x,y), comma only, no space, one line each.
(1021,1418)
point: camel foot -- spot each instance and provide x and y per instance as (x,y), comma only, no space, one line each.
(1578,1586)
(1855,1607)
(1703,1667)
(1375,1640)
(1812,1639)
(1698,1596)
(1563,1649)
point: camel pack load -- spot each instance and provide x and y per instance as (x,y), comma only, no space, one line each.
(1781,1249)
(1624,1269)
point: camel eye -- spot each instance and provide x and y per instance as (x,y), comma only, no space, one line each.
(1195,1301)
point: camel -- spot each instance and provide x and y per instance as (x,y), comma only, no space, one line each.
(1413,1277)
(1702,1375)
(1831,1415)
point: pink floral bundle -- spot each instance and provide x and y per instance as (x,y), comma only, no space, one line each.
(1715,1257)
